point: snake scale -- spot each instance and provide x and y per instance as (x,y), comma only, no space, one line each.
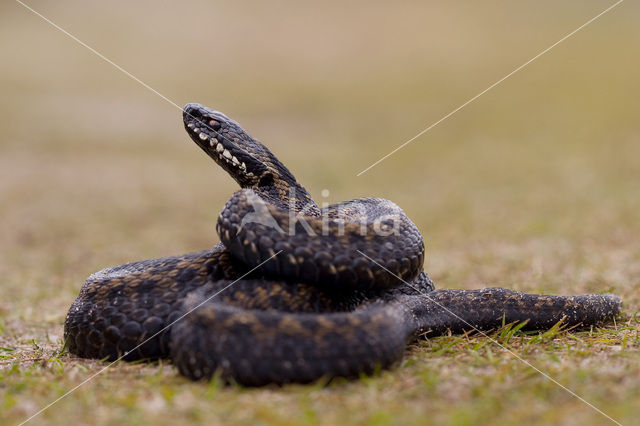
(292,293)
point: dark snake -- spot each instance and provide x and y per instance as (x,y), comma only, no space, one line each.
(292,293)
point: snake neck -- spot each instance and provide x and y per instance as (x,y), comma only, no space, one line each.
(246,159)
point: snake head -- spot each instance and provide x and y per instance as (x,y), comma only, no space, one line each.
(244,158)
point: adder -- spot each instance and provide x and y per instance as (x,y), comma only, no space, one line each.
(293,292)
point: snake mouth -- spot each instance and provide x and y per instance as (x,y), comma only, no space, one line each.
(225,141)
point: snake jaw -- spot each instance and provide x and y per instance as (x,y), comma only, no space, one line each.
(226,142)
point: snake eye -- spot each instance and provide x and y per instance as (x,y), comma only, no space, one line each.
(214,125)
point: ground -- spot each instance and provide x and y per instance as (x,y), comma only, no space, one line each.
(534,186)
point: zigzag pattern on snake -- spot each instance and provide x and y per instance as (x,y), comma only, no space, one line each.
(334,292)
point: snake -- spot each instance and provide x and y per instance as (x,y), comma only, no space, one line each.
(292,293)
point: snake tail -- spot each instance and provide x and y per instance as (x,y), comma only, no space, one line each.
(266,347)
(457,311)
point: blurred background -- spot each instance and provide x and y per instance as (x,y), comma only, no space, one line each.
(533,186)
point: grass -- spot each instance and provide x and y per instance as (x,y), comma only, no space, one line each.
(534,187)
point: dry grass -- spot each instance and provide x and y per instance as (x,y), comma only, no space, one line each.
(532,187)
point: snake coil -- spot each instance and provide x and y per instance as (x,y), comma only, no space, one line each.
(293,292)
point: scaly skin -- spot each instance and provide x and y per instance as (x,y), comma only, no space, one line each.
(334,298)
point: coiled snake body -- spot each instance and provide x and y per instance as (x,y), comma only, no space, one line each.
(293,292)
